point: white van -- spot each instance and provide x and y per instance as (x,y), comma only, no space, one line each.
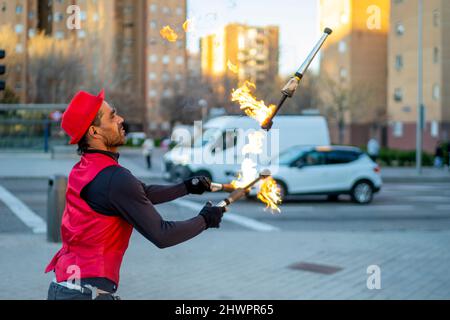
(217,148)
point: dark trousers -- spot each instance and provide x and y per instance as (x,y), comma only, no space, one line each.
(57,292)
(148,159)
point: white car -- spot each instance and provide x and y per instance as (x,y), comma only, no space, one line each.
(330,171)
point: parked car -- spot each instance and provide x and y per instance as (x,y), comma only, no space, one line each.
(223,138)
(330,171)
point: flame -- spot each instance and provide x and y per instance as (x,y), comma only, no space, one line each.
(247,174)
(255,144)
(253,108)
(232,67)
(188,25)
(269,193)
(168,34)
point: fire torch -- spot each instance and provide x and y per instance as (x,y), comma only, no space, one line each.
(289,89)
(240,192)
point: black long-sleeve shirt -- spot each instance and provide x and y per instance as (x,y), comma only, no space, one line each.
(116,192)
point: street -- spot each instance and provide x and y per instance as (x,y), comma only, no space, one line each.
(313,249)
(398,207)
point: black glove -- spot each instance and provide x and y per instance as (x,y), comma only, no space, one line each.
(198,185)
(212,215)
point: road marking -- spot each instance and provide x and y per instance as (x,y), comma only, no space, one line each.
(376,207)
(25,214)
(445,207)
(230,217)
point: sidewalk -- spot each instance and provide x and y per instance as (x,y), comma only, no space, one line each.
(254,265)
(402,174)
(41,165)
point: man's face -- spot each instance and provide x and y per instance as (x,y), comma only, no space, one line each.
(111,127)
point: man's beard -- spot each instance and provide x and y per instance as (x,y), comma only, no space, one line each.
(117,141)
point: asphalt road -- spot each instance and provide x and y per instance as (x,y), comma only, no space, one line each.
(397,207)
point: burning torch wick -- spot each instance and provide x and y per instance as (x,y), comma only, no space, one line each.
(289,89)
(240,192)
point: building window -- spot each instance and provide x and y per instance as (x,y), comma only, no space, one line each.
(179,11)
(434,129)
(165,10)
(436,92)
(19,28)
(167,93)
(399,62)
(398,95)
(166,59)
(31,33)
(398,129)
(19,9)
(399,29)
(19,48)
(153,7)
(153,93)
(81,34)
(153,24)
(59,35)
(58,17)
(152,76)
(436,55)
(343,73)
(436,18)
(342,47)
(179,60)
(166,77)
(153,58)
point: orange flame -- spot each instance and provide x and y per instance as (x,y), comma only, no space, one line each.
(253,108)
(188,25)
(269,193)
(168,34)
(232,67)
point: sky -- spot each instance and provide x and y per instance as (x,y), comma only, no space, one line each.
(298,21)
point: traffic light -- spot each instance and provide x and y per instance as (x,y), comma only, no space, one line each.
(2,70)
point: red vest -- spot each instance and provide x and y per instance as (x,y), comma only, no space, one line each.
(93,244)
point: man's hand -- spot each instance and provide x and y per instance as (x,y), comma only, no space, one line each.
(212,215)
(198,185)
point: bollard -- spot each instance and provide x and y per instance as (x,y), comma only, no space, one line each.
(56,201)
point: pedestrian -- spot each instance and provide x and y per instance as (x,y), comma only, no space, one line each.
(105,202)
(373,149)
(439,155)
(147,151)
(448,155)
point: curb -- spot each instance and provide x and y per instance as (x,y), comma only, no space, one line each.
(416,179)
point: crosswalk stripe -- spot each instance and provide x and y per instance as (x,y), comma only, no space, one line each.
(25,214)
(230,217)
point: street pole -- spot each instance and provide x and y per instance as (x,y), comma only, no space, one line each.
(420,111)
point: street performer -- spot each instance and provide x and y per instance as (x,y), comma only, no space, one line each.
(104,202)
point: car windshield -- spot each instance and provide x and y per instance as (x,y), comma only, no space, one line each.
(289,156)
(208,135)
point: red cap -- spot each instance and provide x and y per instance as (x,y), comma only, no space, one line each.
(80,114)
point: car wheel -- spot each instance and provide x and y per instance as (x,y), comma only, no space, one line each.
(283,190)
(362,192)
(179,173)
(333,198)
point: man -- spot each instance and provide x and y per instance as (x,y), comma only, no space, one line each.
(147,150)
(104,202)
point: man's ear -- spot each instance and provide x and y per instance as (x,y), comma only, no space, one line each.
(92,132)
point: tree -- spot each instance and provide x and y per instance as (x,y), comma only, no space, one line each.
(55,70)
(9,97)
(346,104)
